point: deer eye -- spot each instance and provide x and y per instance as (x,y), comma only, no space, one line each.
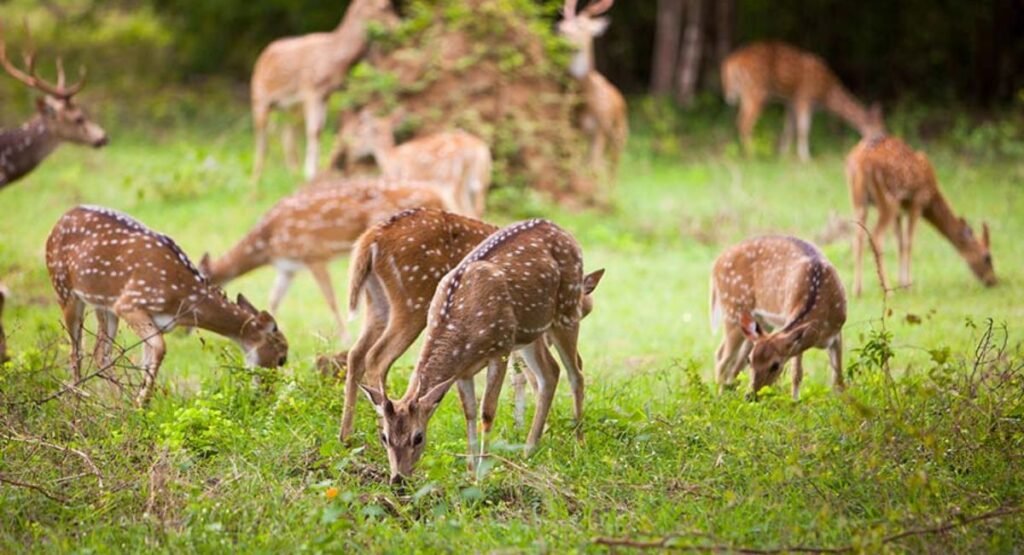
(774,367)
(80,120)
(384,439)
(417,439)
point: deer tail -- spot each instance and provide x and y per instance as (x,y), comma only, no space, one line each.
(715,308)
(359,270)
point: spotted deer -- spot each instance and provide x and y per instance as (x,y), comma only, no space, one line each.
(459,162)
(306,70)
(58,119)
(105,259)
(761,71)
(784,285)
(895,178)
(395,267)
(603,116)
(3,337)
(521,288)
(313,226)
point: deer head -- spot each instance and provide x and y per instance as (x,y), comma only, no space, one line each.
(261,340)
(770,351)
(64,119)
(977,252)
(580,30)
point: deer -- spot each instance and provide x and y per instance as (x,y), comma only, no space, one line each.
(313,226)
(306,70)
(57,119)
(520,288)
(603,116)
(776,297)
(106,259)
(3,337)
(887,173)
(458,161)
(764,70)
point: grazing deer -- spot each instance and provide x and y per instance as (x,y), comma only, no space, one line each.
(396,266)
(458,161)
(312,227)
(306,70)
(604,116)
(519,289)
(780,283)
(895,178)
(107,260)
(763,70)
(3,337)
(58,119)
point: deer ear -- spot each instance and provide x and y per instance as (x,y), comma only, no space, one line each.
(204,265)
(591,280)
(44,107)
(245,304)
(380,401)
(750,327)
(794,336)
(985,239)
(268,322)
(598,25)
(431,399)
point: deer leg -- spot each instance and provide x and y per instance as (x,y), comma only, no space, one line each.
(750,111)
(912,216)
(496,369)
(281,283)
(726,355)
(901,245)
(153,349)
(260,114)
(323,279)
(376,321)
(519,386)
(106,332)
(315,111)
(565,340)
(289,145)
(886,215)
(467,394)
(539,361)
(835,359)
(798,375)
(786,139)
(803,130)
(399,334)
(74,310)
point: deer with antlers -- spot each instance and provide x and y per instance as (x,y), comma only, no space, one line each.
(306,70)
(777,297)
(764,70)
(603,116)
(310,228)
(58,119)
(895,178)
(459,162)
(126,271)
(519,289)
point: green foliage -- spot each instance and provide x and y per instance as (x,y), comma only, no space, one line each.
(199,428)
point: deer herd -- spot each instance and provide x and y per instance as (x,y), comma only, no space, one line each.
(422,258)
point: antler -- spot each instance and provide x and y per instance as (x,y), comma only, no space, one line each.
(569,9)
(30,78)
(598,8)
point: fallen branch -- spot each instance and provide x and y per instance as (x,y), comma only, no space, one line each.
(666,542)
(46,493)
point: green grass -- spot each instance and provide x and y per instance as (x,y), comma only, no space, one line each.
(219,463)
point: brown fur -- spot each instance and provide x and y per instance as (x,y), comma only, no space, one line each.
(105,259)
(890,175)
(761,71)
(784,283)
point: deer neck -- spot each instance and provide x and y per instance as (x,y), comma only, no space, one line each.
(582,64)
(22,149)
(214,312)
(938,213)
(247,255)
(350,36)
(843,104)
(384,154)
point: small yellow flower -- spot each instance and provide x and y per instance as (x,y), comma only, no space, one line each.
(331,492)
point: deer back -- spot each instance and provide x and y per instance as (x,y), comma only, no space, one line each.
(776,68)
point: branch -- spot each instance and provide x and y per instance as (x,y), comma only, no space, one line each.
(46,493)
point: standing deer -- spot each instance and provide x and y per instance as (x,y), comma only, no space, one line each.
(604,109)
(58,119)
(460,163)
(107,260)
(764,70)
(396,266)
(312,227)
(517,290)
(306,70)
(780,283)
(896,179)
(3,337)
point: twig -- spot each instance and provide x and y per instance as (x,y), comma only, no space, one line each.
(64,448)
(46,493)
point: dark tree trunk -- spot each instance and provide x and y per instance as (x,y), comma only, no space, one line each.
(690,53)
(725,22)
(666,45)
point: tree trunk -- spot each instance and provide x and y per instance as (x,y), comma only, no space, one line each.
(690,54)
(725,11)
(666,45)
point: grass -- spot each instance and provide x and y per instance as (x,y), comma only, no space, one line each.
(217,462)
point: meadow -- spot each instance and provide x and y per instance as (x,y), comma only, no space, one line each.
(922,453)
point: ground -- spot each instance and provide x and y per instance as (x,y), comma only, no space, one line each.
(218,461)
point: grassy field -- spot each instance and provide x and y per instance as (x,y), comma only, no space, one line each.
(933,436)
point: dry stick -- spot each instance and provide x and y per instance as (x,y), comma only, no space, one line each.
(666,541)
(46,493)
(64,448)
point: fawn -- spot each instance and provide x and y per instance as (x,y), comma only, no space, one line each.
(784,284)
(108,260)
(459,162)
(895,178)
(313,226)
(519,289)
(396,266)
(763,70)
